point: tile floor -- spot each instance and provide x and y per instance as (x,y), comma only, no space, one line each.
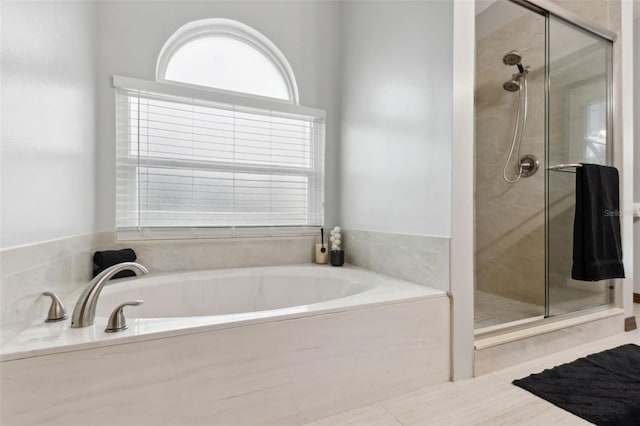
(487,400)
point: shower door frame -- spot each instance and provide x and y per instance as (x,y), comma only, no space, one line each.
(547,8)
(550,10)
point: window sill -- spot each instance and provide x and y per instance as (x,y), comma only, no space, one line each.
(211,233)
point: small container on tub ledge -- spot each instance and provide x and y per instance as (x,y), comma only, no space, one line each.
(321,251)
(336,257)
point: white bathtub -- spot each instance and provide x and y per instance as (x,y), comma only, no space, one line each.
(179,303)
(249,293)
(363,335)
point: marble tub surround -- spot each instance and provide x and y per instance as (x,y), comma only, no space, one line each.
(199,254)
(417,258)
(284,371)
(60,266)
(63,266)
(198,301)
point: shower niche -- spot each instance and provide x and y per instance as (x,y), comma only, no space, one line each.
(542,103)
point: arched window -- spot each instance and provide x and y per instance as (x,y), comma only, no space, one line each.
(218,145)
(228,55)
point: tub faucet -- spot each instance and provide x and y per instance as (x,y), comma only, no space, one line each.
(85,310)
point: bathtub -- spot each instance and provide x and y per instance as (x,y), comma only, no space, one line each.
(243,346)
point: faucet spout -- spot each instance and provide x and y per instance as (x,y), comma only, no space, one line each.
(85,310)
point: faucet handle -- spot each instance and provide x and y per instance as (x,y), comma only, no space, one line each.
(57,311)
(117,321)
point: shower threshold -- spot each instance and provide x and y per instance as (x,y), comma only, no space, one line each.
(507,325)
(536,326)
(507,347)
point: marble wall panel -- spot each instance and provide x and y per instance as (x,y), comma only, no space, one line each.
(199,254)
(60,266)
(418,258)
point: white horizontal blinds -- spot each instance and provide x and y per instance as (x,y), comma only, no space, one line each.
(184,162)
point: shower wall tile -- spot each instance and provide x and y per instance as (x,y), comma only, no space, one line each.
(509,217)
(595,11)
(417,258)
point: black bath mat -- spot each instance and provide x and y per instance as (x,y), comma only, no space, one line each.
(603,388)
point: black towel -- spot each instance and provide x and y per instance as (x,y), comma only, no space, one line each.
(597,247)
(104,259)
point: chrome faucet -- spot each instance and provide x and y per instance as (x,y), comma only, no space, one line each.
(85,310)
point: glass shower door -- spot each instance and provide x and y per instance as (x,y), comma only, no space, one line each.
(578,131)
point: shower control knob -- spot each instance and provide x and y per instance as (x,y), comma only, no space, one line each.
(529,165)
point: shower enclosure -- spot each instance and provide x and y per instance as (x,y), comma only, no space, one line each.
(543,106)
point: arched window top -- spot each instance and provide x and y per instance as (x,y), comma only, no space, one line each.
(228,55)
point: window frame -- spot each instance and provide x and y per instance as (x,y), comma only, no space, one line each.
(233,29)
(220,96)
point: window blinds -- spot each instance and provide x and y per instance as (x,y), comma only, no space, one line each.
(185,162)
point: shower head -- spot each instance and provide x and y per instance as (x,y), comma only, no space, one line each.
(512,85)
(512,58)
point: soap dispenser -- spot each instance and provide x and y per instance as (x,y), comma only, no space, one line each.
(322,254)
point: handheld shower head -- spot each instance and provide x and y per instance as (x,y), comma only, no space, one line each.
(512,58)
(512,85)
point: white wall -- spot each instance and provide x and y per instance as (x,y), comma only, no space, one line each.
(57,180)
(636,152)
(462,201)
(395,149)
(131,35)
(48,120)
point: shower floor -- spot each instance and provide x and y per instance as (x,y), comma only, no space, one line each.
(491,309)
